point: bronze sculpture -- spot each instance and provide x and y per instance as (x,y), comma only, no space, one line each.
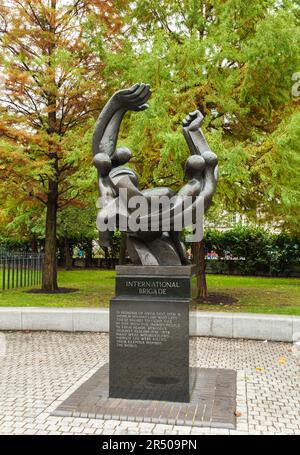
(146,245)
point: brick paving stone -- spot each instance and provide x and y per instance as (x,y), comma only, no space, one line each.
(213,402)
(41,369)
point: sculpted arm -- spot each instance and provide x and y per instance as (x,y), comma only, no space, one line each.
(193,135)
(108,124)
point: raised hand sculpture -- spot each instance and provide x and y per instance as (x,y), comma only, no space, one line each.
(148,246)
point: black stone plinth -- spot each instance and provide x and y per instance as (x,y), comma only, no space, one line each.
(149,333)
(212,402)
(149,349)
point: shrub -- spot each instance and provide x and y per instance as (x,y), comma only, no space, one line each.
(253,251)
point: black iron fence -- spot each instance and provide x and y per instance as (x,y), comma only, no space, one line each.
(20,269)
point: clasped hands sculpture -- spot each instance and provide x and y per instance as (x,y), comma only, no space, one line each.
(149,247)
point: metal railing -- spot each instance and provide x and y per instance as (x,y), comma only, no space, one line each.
(20,269)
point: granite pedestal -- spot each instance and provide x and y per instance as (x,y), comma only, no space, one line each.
(149,333)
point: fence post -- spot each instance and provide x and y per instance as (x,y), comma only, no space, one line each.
(8,272)
(13,273)
(21,271)
(3,275)
(17,271)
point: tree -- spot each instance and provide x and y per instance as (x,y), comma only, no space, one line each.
(21,224)
(77,225)
(52,78)
(233,60)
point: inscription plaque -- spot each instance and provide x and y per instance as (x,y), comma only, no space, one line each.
(149,335)
(165,287)
(144,327)
(148,351)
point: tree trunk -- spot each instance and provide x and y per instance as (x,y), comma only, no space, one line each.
(198,252)
(122,253)
(49,280)
(34,246)
(88,253)
(68,258)
(106,255)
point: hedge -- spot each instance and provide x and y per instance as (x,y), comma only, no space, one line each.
(253,251)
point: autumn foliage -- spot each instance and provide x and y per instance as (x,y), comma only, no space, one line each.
(51,84)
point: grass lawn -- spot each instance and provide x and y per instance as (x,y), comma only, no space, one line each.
(96,287)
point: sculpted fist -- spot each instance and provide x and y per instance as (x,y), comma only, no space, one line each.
(133,98)
(193,121)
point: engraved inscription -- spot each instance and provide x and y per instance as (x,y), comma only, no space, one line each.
(134,328)
(148,287)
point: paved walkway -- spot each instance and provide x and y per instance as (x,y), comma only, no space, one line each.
(40,369)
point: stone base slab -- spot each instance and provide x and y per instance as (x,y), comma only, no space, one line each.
(212,404)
